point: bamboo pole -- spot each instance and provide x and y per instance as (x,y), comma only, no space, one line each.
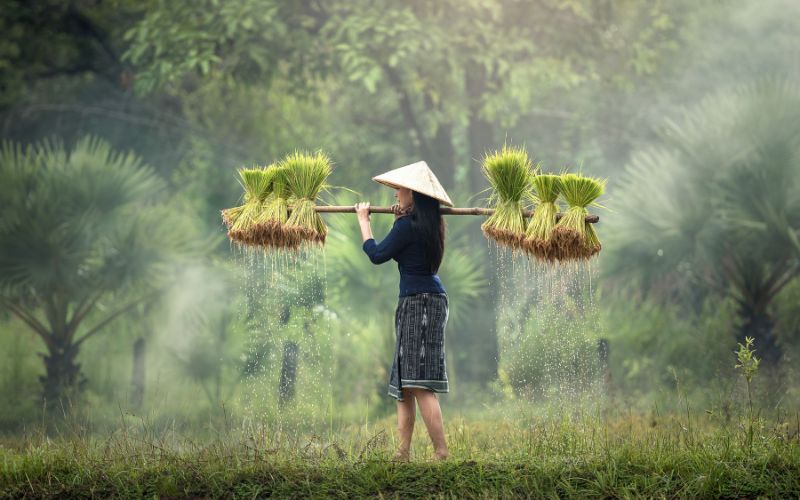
(593,219)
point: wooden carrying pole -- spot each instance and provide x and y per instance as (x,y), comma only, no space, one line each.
(444,210)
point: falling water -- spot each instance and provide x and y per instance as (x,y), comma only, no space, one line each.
(288,364)
(548,331)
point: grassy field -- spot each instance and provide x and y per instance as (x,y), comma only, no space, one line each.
(573,456)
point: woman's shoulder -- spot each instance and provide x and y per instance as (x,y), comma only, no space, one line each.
(403,220)
(403,226)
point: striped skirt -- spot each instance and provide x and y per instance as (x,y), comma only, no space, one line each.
(419,357)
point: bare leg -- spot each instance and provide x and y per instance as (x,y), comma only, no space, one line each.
(406,413)
(432,415)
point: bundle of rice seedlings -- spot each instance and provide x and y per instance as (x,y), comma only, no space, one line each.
(573,237)
(257,184)
(538,237)
(229,216)
(271,222)
(305,178)
(509,173)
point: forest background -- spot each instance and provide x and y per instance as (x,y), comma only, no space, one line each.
(122,295)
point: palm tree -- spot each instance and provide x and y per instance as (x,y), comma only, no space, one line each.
(715,207)
(83,240)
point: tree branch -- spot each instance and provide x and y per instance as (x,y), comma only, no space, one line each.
(785,280)
(86,26)
(83,309)
(111,317)
(30,320)
(777,273)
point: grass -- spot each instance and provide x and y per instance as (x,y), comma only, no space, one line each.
(569,456)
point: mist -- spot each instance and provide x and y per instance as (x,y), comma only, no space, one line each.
(127,308)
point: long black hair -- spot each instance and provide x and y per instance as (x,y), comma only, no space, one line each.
(427,220)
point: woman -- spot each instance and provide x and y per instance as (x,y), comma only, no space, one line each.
(416,242)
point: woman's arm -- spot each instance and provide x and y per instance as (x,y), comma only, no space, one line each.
(394,242)
(362,211)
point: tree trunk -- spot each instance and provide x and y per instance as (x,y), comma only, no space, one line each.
(444,156)
(603,353)
(138,376)
(63,378)
(480,137)
(480,133)
(286,389)
(771,381)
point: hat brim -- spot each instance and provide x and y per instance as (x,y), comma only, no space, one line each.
(398,186)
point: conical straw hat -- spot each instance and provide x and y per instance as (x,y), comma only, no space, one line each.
(416,177)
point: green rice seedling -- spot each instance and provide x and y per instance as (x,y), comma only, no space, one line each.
(573,237)
(508,172)
(538,237)
(257,183)
(305,178)
(271,221)
(229,216)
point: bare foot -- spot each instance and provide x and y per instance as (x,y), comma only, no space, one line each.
(440,455)
(401,456)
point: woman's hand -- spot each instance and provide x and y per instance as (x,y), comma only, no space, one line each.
(362,211)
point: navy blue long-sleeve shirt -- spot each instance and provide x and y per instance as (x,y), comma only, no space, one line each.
(404,245)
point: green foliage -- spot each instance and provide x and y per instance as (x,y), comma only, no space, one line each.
(747,360)
(648,340)
(787,316)
(440,68)
(84,238)
(749,366)
(19,369)
(718,201)
(222,84)
(174,40)
(204,341)
(66,203)
(49,41)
